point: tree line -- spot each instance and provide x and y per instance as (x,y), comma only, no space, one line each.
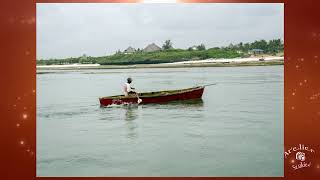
(170,54)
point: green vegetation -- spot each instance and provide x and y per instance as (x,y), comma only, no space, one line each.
(167,45)
(168,54)
(201,47)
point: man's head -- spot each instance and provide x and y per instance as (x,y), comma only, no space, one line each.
(129,80)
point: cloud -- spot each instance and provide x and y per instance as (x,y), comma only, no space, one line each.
(70,30)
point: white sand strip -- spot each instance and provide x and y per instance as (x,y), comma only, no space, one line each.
(271,58)
(67,65)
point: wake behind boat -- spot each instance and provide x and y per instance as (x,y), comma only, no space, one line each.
(155,97)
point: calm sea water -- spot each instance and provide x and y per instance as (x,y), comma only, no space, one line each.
(236,130)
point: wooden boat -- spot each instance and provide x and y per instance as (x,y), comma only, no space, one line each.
(155,97)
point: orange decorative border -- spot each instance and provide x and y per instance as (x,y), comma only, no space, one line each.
(301,91)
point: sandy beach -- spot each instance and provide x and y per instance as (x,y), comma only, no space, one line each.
(235,60)
(252,61)
(68,66)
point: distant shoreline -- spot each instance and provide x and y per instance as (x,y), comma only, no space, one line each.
(268,61)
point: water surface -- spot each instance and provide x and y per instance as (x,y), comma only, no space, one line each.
(236,130)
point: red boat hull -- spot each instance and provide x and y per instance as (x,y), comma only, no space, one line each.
(194,93)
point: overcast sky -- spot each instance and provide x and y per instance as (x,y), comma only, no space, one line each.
(70,30)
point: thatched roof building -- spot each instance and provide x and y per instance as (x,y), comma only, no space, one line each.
(129,50)
(151,48)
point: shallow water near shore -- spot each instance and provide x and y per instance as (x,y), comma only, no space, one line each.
(235,130)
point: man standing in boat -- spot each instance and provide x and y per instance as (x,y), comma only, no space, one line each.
(128,89)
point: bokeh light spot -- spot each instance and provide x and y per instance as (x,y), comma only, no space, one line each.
(24,116)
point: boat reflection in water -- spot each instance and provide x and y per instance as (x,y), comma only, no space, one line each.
(133,115)
(132,110)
